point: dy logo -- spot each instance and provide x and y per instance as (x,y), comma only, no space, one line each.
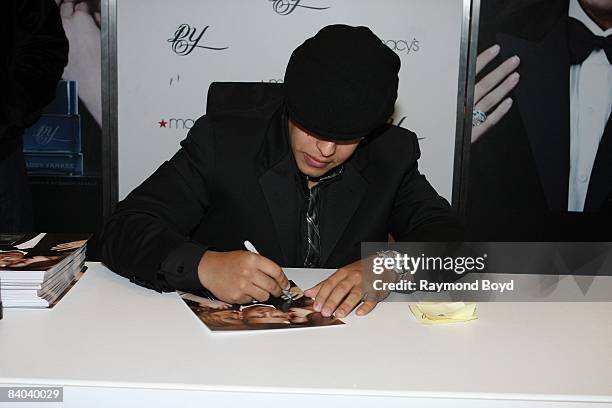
(186,39)
(285,7)
(45,135)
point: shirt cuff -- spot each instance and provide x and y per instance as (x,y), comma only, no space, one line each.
(180,268)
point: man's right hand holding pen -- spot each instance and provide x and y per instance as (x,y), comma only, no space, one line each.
(240,277)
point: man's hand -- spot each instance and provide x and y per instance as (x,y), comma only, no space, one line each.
(241,276)
(489,92)
(345,289)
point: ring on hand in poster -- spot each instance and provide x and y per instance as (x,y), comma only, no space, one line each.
(478,117)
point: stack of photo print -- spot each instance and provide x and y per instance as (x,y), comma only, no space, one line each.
(36,270)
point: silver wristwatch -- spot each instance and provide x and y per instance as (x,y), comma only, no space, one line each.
(401,273)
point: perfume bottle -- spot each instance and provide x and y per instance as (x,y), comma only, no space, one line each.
(53,144)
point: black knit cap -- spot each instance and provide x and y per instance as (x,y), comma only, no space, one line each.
(342,83)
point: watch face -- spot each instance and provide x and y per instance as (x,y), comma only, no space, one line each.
(391,254)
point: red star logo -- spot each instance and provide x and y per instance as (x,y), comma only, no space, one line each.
(162,123)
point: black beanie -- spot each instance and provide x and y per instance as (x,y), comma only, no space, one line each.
(342,83)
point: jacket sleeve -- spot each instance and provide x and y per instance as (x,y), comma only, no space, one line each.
(35,63)
(147,238)
(419,213)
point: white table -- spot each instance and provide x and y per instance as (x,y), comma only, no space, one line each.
(112,343)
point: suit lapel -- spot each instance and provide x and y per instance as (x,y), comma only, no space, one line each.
(341,199)
(278,186)
(276,169)
(600,185)
(542,96)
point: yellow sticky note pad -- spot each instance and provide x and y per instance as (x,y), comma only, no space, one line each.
(444,312)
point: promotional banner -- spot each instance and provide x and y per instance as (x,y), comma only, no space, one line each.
(169,53)
(62,150)
(542,135)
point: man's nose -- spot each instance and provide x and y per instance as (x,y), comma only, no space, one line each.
(326,147)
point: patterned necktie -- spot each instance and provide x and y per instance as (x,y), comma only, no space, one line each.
(313,255)
(582,41)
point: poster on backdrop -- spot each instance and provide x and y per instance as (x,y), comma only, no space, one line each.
(63,149)
(542,135)
(167,56)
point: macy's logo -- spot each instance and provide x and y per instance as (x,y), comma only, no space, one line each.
(403,46)
(176,123)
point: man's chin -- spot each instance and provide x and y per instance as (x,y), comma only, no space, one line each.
(311,171)
(316,175)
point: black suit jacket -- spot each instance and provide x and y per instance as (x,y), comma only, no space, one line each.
(234,179)
(519,170)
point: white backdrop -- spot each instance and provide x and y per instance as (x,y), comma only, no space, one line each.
(162,83)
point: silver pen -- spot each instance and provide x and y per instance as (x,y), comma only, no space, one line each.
(251,248)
